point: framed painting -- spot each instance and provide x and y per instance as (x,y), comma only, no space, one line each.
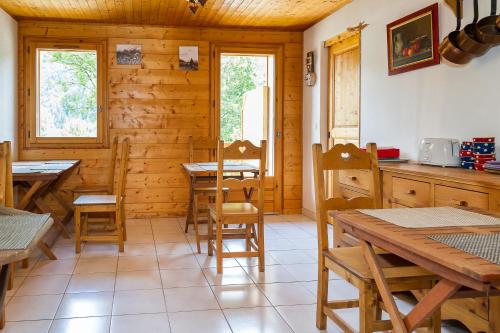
(128,54)
(413,41)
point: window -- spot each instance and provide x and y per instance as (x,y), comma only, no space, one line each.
(66,93)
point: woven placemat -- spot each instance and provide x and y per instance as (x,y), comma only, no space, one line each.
(18,228)
(486,246)
(433,217)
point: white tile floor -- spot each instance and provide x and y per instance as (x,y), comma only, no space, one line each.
(159,285)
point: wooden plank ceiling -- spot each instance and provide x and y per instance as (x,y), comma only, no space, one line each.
(289,14)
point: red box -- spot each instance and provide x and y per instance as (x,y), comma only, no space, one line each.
(465,153)
(479,166)
(386,152)
(488,157)
(483,139)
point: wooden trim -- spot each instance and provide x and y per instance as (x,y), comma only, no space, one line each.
(341,37)
(31,46)
(278,51)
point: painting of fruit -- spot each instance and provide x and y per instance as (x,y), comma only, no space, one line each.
(413,41)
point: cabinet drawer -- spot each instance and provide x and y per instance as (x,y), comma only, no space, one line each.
(496,202)
(349,194)
(410,193)
(355,178)
(450,196)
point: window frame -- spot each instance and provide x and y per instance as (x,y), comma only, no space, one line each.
(31,139)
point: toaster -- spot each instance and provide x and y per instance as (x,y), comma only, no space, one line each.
(441,152)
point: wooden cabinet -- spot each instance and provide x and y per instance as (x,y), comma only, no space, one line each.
(413,185)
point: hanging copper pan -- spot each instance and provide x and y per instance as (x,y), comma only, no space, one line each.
(449,48)
(467,40)
(486,29)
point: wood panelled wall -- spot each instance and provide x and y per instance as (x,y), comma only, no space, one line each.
(159,106)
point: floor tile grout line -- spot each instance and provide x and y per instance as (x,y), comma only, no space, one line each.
(63,295)
(161,282)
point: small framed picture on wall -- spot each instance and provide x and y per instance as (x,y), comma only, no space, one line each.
(188,58)
(413,41)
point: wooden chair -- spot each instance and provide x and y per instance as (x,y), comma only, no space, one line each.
(349,262)
(102,189)
(203,188)
(111,203)
(105,223)
(6,181)
(7,200)
(244,214)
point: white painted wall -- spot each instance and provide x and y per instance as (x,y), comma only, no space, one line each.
(437,101)
(8,79)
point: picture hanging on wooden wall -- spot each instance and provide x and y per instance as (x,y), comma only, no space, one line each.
(128,54)
(188,58)
(413,41)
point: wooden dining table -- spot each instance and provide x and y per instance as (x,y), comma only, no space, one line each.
(463,275)
(9,255)
(40,180)
(207,171)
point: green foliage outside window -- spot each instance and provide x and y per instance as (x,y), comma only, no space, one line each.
(68,94)
(239,74)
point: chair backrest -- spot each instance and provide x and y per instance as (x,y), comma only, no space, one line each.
(111,175)
(122,176)
(343,157)
(200,146)
(6,183)
(241,151)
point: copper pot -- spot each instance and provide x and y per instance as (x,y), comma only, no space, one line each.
(467,40)
(449,48)
(486,29)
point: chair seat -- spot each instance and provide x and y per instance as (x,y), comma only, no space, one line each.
(91,189)
(84,200)
(394,267)
(235,209)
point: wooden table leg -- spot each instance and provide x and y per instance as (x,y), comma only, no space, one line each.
(189,217)
(46,250)
(68,208)
(385,293)
(57,221)
(4,277)
(430,303)
(28,196)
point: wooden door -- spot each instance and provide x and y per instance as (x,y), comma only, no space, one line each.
(344,91)
(273,189)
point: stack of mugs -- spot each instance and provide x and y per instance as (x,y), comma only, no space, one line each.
(484,151)
(474,155)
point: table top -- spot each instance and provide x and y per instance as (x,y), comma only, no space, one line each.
(40,170)
(413,245)
(202,168)
(8,256)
